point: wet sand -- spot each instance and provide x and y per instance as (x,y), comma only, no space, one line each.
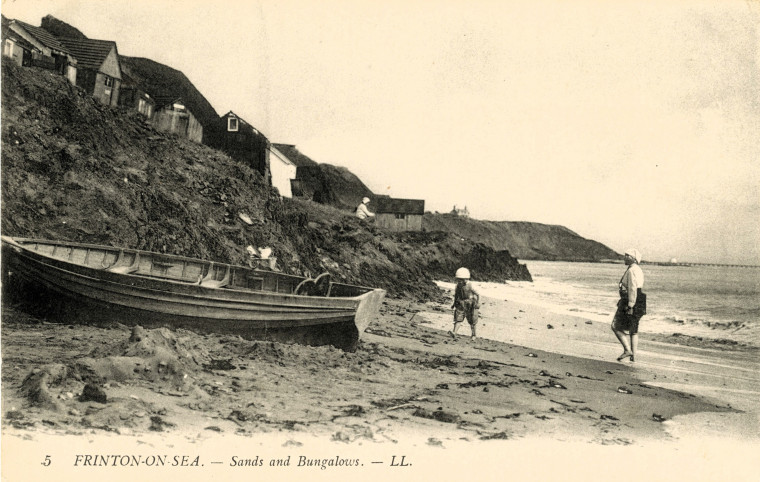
(728,375)
(410,389)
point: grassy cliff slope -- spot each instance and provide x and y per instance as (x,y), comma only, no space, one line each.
(75,170)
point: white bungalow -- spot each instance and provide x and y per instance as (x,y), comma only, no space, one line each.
(283,171)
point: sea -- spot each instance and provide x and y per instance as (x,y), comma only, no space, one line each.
(712,302)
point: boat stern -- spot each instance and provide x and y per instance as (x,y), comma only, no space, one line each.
(369,306)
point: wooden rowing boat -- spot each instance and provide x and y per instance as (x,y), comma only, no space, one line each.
(92,283)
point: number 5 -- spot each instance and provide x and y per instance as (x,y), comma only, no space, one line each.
(47,461)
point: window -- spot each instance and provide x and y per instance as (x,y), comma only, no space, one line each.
(109,82)
(400,216)
(8,48)
(232,124)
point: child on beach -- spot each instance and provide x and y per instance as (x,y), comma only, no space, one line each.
(466,302)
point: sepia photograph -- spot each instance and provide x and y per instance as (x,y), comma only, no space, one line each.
(380,240)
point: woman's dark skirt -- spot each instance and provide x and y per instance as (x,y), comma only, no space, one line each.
(625,322)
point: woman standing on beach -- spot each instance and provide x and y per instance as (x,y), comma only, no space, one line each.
(631,306)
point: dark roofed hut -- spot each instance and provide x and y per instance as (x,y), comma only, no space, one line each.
(48,52)
(16,47)
(172,115)
(99,70)
(133,96)
(398,214)
(241,141)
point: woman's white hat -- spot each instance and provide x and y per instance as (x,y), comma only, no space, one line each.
(365,200)
(634,253)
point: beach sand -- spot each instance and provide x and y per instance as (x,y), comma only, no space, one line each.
(551,400)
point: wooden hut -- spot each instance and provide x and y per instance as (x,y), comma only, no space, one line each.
(47,52)
(173,116)
(241,141)
(16,47)
(133,96)
(398,214)
(99,70)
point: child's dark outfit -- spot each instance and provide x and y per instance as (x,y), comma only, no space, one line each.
(466,304)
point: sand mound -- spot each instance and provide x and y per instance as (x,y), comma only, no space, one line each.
(159,356)
(36,386)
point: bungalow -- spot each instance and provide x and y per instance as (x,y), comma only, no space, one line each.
(399,214)
(133,96)
(47,51)
(15,47)
(173,116)
(99,67)
(242,142)
(283,171)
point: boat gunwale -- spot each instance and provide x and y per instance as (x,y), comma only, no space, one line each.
(187,299)
(19,242)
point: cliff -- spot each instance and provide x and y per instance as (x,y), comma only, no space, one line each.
(75,170)
(524,240)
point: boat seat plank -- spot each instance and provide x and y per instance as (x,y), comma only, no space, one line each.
(209,282)
(128,268)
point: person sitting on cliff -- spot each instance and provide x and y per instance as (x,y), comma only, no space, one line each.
(466,302)
(260,258)
(253,256)
(362,211)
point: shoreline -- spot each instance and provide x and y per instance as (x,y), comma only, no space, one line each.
(725,374)
(600,308)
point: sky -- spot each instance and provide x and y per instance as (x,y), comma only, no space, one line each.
(635,124)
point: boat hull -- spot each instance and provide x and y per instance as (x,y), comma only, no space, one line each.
(88,292)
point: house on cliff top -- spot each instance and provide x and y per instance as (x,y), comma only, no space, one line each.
(15,47)
(241,141)
(46,52)
(463,212)
(399,214)
(99,69)
(172,116)
(133,96)
(306,183)
(283,171)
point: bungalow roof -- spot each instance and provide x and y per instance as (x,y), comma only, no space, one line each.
(232,114)
(242,121)
(44,37)
(20,41)
(90,53)
(295,156)
(280,155)
(164,100)
(389,205)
